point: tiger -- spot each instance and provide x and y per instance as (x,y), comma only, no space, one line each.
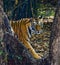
(24,28)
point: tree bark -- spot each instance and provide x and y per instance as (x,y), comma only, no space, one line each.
(55,38)
(2,45)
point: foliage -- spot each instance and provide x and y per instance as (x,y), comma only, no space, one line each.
(45,10)
(17,9)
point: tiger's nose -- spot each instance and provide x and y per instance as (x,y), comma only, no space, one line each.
(38,28)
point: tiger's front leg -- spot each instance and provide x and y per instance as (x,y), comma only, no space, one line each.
(24,36)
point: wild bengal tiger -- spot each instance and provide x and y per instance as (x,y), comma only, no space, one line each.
(25,28)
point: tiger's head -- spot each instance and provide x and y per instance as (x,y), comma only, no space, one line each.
(36,26)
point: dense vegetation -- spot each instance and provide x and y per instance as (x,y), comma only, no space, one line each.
(17,9)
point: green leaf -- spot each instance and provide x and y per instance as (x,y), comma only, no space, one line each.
(1,52)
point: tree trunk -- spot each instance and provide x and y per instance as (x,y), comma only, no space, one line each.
(55,38)
(2,45)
